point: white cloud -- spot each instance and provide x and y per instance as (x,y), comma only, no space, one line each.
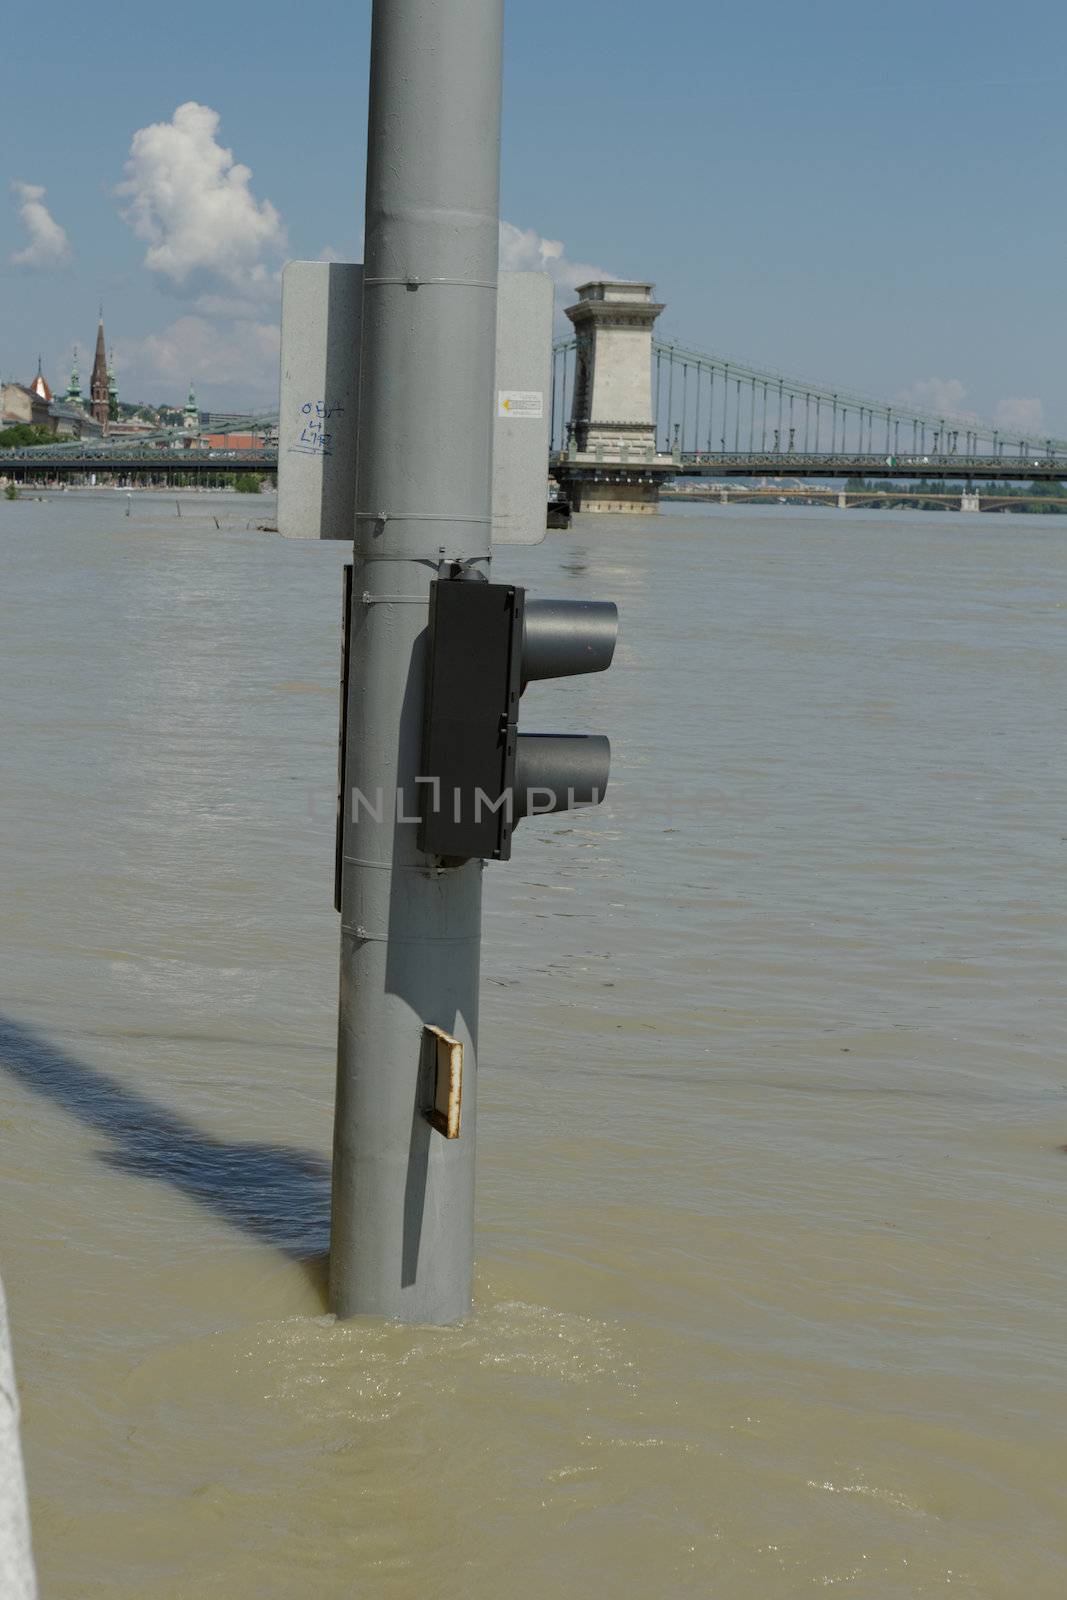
(1021,414)
(942,395)
(212,242)
(523,250)
(239,362)
(48,243)
(207,233)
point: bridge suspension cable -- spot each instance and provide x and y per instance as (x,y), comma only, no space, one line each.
(715,404)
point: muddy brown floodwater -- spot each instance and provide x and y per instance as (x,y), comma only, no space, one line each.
(772,1279)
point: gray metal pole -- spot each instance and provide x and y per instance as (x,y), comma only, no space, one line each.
(403,1195)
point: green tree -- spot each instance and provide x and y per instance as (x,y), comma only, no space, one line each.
(23,434)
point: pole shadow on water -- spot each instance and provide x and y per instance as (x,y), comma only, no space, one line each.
(279,1196)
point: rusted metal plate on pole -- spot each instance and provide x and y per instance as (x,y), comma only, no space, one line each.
(443,1080)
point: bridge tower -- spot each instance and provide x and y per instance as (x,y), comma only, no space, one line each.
(610,462)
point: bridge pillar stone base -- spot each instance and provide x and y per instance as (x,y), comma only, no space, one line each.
(970,502)
(842,501)
(640,499)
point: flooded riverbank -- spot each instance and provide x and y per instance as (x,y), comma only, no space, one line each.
(771,1286)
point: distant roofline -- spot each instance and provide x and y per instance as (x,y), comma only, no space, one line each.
(614,283)
(10,383)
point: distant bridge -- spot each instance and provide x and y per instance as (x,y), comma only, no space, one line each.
(719,417)
(712,416)
(123,461)
(722,410)
(47,463)
(969,468)
(768,493)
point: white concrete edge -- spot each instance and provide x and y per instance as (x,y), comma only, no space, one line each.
(18,1581)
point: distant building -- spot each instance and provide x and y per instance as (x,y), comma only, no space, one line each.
(232,441)
(73,421)
(20,403)
(40,385)
(99,399)
(70,420)
(130,427)
(74,392)
(191,416)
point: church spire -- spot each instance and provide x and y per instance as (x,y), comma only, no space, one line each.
(40,384)
(74,393)
(112,388)
(98,395)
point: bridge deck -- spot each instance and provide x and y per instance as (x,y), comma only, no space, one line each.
(49,462)
(1002,469)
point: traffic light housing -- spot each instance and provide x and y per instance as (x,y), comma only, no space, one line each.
(480,775)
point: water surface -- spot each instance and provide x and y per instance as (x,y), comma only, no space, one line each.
(771,1277)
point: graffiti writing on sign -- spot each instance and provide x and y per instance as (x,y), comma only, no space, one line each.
(315,434)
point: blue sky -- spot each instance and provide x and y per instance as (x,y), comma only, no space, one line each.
(871,195)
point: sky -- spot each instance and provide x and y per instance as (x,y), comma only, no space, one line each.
(871,196)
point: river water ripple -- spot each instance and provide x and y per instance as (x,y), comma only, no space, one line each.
(771,1273)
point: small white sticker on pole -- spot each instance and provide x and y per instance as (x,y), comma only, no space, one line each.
(520,403)
(521,424)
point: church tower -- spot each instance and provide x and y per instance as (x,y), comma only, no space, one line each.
(98,396)
(112,390)
(74,393)
(191,416)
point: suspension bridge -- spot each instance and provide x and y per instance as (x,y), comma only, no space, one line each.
(721,411)
(630,413)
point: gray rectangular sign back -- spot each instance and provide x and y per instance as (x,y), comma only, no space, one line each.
(322,314)
(522,407)
(317,418)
